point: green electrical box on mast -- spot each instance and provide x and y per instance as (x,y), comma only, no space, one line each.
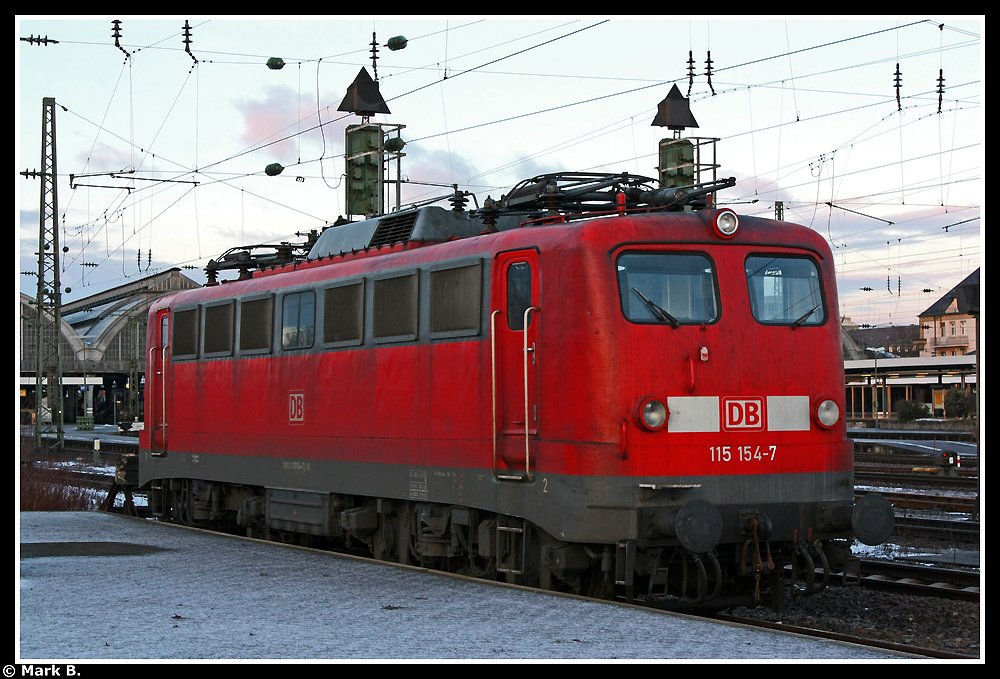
(366,145)
(683,160)
(364,169)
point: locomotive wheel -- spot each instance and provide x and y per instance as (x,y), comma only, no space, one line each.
(385,541)
(596,585)
(776,585)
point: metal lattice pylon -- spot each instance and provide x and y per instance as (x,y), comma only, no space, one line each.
(48,300)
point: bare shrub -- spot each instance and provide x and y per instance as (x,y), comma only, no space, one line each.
(52,490)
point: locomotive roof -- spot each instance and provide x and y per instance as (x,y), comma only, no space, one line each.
(545,199)
(428,224)
(570,194)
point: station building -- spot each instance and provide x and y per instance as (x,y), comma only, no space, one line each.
(102,342)
(919,363)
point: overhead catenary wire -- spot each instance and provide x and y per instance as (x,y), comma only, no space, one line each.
(736,135)
(287,137)
(152,193)
(515,117)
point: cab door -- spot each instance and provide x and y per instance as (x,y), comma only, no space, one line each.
(514,328)
(156,384)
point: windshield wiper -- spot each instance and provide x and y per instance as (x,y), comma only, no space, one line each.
(658,311)
(802,319)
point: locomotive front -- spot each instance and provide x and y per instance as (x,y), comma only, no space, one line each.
(722,356)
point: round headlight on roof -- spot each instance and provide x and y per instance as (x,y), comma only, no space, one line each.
(726,223)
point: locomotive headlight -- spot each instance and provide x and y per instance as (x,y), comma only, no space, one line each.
(726,223)
(652,414)
(827,413)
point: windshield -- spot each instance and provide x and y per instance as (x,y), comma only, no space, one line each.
(672,288)
(785,290)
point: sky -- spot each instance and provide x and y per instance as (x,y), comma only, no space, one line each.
(805,110)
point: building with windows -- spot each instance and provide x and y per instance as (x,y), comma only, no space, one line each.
(899,340)
(874,385)
(949,326)
(917,363)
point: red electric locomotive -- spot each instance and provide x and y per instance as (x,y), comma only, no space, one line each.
(592,385)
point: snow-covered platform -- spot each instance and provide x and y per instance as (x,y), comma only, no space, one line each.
(98,587)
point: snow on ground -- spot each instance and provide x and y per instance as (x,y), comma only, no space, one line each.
(205,596)
(81,466)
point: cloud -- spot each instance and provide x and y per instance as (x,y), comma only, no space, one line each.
(436,165)
(283,114)
(102,158)
(443,168)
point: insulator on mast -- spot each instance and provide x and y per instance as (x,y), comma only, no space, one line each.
(708,71)
(116,33)
(940,88)
(690,71)
(187,42)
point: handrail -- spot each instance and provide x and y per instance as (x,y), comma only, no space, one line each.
(527,422)
(149,366)
(493,367)
(163,396)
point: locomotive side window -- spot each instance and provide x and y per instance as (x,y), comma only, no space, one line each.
(256,321)
(662,287)
(343,313)
(394,308)
(456,300)
(186,333)
(785,290)
(219,328)
(298,320)
(518,294)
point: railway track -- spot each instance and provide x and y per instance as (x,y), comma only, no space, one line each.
(79,445)
(915,479)
(944,530)
(901,460)
(922,500)
(879,603)
(923,651)
(896,606)
(952,583)
(912,434)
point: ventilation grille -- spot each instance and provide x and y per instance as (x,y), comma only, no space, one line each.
(394,229)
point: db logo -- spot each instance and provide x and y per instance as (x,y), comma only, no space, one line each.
(296,406)
(743,414)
